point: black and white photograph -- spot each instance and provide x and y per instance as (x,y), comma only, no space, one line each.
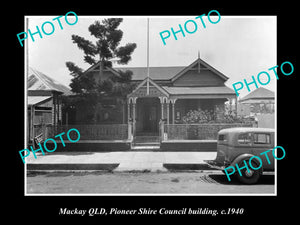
(147,105)
(186,111)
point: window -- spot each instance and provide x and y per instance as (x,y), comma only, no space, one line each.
(222,137)
(260,138)
(244,138)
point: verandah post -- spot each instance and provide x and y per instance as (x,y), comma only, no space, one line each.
(129,130)
(173,110)
(162,130)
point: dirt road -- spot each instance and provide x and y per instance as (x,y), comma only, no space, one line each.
(142,183)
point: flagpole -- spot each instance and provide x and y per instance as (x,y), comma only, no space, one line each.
(148,75)
(198,61)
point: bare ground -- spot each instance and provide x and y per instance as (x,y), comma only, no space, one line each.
(142,183)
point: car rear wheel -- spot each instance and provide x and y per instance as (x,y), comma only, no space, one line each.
(249,176)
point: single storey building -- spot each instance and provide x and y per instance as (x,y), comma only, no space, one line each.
(167,95)
(44,105)
(153,113)
(260,106)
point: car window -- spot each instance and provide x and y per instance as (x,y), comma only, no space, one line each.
(261,138)
(244,138)
(222,137)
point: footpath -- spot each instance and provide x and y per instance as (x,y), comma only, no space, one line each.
(129,161)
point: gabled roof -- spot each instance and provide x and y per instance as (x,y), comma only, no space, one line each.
(39,81)
(152,83)
(170,73)
(96,68)
(202,65)
(259,93)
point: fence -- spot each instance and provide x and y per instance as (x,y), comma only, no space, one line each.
(208,131)
(41,130)
(91,132)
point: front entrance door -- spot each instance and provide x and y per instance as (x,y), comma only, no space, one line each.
(150,119)
(148,111)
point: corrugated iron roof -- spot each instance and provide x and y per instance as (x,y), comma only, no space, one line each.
(156,73)
(164,72)
(198,90)
(259,93)
(39,81)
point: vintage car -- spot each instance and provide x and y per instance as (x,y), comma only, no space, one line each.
(238,144)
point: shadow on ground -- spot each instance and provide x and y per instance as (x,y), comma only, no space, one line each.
(65,173)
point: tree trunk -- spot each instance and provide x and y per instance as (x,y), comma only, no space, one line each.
(98,105)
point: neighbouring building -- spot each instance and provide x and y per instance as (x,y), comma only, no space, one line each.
(44,106)
(259,105)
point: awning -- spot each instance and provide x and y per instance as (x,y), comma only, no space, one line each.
(36,100)
(201,92)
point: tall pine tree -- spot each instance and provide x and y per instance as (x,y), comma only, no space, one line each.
(102,51)
(105,48)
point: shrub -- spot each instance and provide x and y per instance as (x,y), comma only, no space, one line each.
(198,116)
(218,115)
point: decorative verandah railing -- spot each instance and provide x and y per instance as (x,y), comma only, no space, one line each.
(124,131)
(205,131)
(87,132)
(111,132)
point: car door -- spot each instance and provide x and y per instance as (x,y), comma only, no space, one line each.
(242,144)
(263,141)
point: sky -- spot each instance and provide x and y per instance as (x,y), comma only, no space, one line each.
(237,46)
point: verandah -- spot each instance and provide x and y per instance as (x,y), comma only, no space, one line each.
(166,120)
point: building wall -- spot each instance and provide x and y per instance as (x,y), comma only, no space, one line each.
(244,109)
